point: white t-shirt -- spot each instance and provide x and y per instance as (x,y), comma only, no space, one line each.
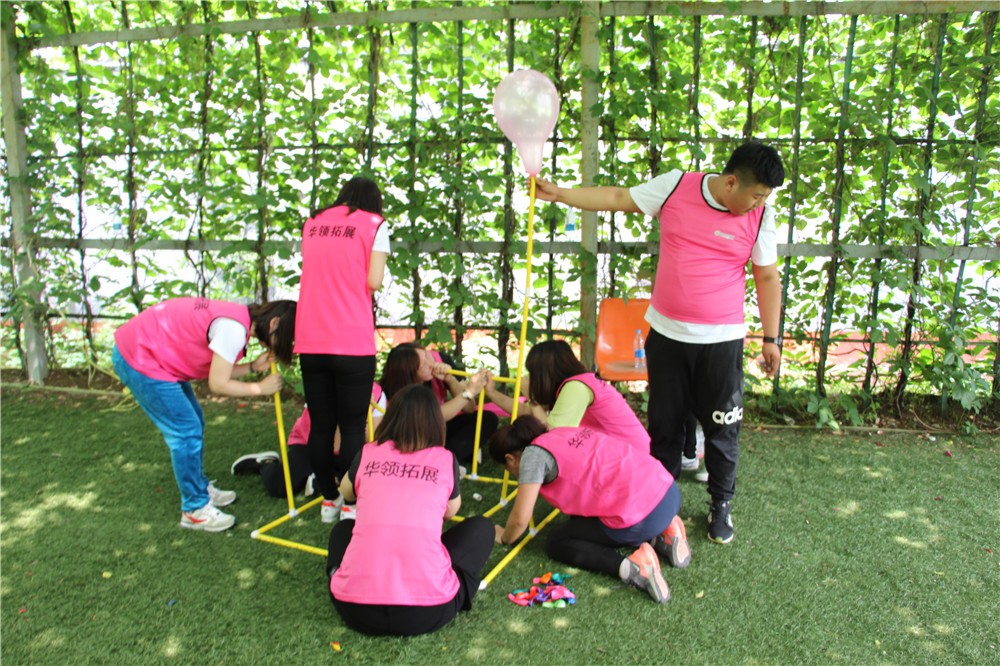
(650,197)
(227,338)
(381,402)
(381,242)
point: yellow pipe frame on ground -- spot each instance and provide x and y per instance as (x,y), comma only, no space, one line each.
(261,533)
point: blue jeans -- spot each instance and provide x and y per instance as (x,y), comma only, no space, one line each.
(174,409)
(655,523)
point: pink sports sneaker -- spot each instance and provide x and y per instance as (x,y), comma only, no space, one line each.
(673,544)
(644,573)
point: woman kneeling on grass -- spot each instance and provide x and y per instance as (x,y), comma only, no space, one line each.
(392,571)
(564,393)
(614,495)
(159,351)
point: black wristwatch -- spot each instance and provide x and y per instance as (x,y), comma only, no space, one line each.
(773,341)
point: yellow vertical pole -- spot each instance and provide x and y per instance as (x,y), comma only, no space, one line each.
(504,497)
(476,444)
(524,318)
(527,300)
(283,444)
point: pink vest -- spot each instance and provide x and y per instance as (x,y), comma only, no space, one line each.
(169,341)
(300,431)
(396,556)
(609,413)
(334,314)
(701,276)
(601,477)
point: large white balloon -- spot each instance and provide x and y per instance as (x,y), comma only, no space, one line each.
(526,106)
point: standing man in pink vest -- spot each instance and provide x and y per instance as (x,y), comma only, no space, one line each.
(710,226)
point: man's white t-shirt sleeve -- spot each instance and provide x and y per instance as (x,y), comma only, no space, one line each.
(227,338)
(651,195)
(382,238)
(765,250)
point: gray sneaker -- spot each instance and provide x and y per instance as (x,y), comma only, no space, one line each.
(250,463)
(673,544)
(329,510)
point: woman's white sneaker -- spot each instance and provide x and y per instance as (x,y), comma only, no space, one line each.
(207,519)
(220,498)
(689,464)
(329,511)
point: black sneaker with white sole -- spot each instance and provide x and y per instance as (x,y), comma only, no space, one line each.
(250,463)
(720,522)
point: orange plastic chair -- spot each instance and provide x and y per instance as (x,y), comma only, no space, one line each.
(616,324)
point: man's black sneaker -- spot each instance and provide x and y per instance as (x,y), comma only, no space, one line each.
(720,523)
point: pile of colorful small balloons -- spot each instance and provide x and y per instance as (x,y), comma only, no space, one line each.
(548,591)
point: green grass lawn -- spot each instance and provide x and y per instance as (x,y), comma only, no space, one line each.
(855,549)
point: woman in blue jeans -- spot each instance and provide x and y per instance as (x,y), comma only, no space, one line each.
(159,351)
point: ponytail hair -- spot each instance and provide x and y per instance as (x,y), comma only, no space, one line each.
(284,334)
(515,437)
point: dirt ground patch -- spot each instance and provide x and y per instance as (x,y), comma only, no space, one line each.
(922,413)
(82,379)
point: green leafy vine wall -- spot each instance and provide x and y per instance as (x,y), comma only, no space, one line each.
(221,141)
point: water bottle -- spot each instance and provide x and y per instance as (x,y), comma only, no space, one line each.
(570,220)
(639,350)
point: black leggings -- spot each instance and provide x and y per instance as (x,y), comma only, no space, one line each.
(469,544)
(299,469)
(338,390)
(461,437)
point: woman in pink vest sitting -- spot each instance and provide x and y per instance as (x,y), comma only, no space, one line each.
(392,571)
(613,494)
(565,393)
(409,363)
(159,351)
